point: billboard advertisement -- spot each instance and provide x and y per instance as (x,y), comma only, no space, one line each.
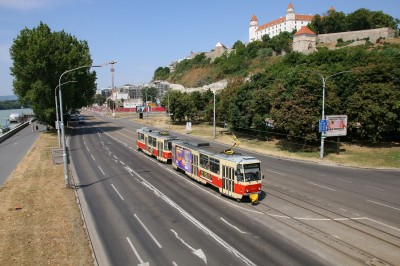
(337,125)
(183,159)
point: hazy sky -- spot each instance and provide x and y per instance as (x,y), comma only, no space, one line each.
(143,35)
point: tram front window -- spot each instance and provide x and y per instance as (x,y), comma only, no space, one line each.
(251,172)
(167,145)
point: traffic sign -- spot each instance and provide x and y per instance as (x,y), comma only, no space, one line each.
(323,125)
(170,114)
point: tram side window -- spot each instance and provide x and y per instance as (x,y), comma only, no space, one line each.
(154,142)
(204,161)
(140,136)
(214,165)
(151,140)
(240,174)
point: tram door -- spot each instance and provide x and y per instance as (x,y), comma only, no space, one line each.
(146,144)
(195,162)
(227,180)
(160,149)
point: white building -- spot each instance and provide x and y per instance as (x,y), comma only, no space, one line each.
(288,23)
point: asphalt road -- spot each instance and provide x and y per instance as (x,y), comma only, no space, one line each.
(310,214)
(13,149)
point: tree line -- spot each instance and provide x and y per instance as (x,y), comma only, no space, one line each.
(292,97)
(14,104)
(361,19)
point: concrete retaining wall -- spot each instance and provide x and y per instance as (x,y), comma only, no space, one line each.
(13,131)
(373,34)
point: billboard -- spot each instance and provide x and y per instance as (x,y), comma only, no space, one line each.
(183,159)
(337,125)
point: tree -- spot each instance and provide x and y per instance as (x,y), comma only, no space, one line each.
(151,92)
(39,58)
(359,20)
(334,22)
(316,24)
(99,99)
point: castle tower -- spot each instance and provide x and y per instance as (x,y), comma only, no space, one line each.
(253,27)
(290,15)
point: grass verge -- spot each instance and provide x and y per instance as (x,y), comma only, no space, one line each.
(48,229)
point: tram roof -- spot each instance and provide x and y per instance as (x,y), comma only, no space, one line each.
(206,149)
(156,133)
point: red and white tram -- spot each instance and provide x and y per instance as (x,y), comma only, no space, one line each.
(155,143)
(236,175)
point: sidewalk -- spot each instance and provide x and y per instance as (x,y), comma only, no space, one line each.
(13,150)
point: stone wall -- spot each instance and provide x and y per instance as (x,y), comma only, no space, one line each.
(213,54)
(373,34)
(304,43)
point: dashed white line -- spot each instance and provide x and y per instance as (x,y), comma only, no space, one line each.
(147,230)
(93,158)
(174,263)
(320,186)
(87,148)
(275,172)
(343,209)
(318,174)
(356,214)
(375,188)
(117,192)
(344,180)
(383,205)
(122,162)
(101,170)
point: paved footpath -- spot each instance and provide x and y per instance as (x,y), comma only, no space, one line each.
(13,149)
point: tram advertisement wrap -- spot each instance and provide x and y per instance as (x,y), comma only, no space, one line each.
(183,159)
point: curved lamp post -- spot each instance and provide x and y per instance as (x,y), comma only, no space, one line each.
(321,155)
(62,122)
(58,124)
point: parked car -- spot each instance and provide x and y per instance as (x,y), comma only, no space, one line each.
(81,121)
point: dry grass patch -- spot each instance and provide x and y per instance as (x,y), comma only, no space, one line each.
(48,230)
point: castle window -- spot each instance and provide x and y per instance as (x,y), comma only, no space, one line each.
(302,22)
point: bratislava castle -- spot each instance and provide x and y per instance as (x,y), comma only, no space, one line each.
(288,23)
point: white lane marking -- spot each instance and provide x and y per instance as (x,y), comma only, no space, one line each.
(102,171)
(115,157)
(147,230)
(242,232)
(318,174)
(343,209)
(330,204)
(93,158)
(127,130)
(117,192)
(344,180)
(199,253)
(83,137)
(202,227)
(122,162)
(384,224)
(136,253)
(320,186)
(356,214)
(275,172)
(174,263)
(114,160)
(87,148)
(84,143)
(375,188)
(383,205)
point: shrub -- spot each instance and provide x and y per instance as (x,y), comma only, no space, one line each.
(386,43)
(340,40)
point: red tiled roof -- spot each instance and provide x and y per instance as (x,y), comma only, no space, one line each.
(254,18)
(304,30)
(290,5)
(332,8)
(277,21)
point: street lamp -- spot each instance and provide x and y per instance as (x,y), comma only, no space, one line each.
(321,156)
(58,124)
(214,110)
(62,122)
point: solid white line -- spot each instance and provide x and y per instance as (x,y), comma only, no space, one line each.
(275,172)
(383,205)
(117,192)
(242,232)
(84,143)
(344,180)
(174,263)
(134,250)
(93,158)
(183,242)
(87,148)
(356,214)
(102,171)
(384,224)
(147,230)
(375,188)
(320,186)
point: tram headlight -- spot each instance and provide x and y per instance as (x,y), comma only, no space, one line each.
(247,190)
(259,188)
